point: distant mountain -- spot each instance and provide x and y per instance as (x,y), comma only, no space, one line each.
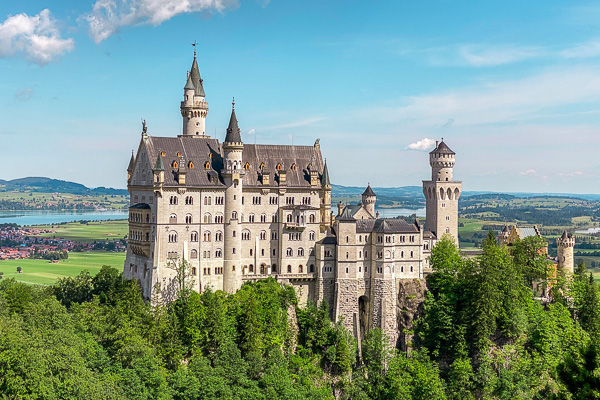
(48,185)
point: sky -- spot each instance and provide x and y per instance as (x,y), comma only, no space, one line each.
(513,87)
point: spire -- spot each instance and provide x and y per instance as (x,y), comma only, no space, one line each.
(368,191)
(195,77)
(233,131)
(565,235)
(189,84)
(131,163)
(442,147)
(325,178)
(158,166)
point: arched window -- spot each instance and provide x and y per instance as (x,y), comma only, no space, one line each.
(194,254)
(173,200)
(234,215)
(194,271)
(263,235)
(188,219)
(173,218)
(411,254)
(311,269)
(274,268)
(300,269)
(311,218)
(289,218)
(175,165)
(206,236)
(289,268)
(219,236)
(289,252)
(207,218)
(172,237)
(263,218)
(251,268)
(247,166)
(207,165)
(218,253)
(311,235)
(300,252)
(246,235)
(191,166)
(251,218)
(219,219)
(411,268)
(278,167)
(294,168)
(194,236)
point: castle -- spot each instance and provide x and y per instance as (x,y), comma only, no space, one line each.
(240,212)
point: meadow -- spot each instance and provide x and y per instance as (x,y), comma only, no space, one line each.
(43,272)
(38,198)
(87,232)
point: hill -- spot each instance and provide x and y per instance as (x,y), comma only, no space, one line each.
(49,185)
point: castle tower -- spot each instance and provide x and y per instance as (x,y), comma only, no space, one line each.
(565,245)
(130,168)
(442,193)
(326,199)
(193,107)
(368,199)
(503,236)
(232,173)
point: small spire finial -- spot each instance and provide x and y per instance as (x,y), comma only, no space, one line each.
(194,45)
(233,103)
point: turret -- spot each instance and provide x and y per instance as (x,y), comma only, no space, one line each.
(232,173)
(565,245)
(159,171)
(326,187)
(503,236)
(368,199)
(130,167)
(194,107)
(442,161)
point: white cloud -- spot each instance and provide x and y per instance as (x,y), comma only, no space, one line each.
(24,94)
(36,37)
(528,172)
(570,174)
(251,132)
(108,16)
(487,56)
(421,145)
(583,50)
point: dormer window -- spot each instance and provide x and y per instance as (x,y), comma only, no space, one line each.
(278,167)
(191,165)
(247,166)
(175,165)
(178,154)
(207,165)
(262,166)
(294,168)
(162,154)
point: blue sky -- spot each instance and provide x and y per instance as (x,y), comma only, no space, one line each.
(513,87)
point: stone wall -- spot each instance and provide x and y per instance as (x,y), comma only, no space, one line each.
(411,300)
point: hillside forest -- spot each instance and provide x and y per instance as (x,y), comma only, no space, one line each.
(482,334)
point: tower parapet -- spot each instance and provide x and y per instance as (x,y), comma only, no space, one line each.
(565,245)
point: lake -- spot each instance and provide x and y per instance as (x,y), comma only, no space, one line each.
(55,217)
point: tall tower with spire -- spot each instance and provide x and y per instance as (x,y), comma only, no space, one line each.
(442,193)
(325,206)
(368,199)
(194,107)
(232,174)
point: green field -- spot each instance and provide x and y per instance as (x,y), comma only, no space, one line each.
(45,273)
(88,233)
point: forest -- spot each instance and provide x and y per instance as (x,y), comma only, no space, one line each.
(484,333)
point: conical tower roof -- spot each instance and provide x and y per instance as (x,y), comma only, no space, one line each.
(368,191)
(442,148)
(565,235)
(189,84)
(195,77)
(233,130)
(158,166)
(131,163)
(325,177)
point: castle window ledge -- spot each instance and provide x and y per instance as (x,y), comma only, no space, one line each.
(233,171)
(295,226)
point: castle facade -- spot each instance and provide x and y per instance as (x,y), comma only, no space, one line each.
(241,212)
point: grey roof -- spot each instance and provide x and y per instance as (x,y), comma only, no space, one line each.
(526,232)
(330,238)
(189,84)
(442,148)
(565,235)
(385,225)
(428,235)
(233,131)
(506,230)
(131,163)
(199,151)
(347,215)
(325,177)
(196,80)
(158,166)
(368,191)
(140,206)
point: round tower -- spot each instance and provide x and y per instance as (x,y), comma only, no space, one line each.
(442,161)
(503,236)
(232,173)
(442,193)
(565,245)
(194,107)
(368,199)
